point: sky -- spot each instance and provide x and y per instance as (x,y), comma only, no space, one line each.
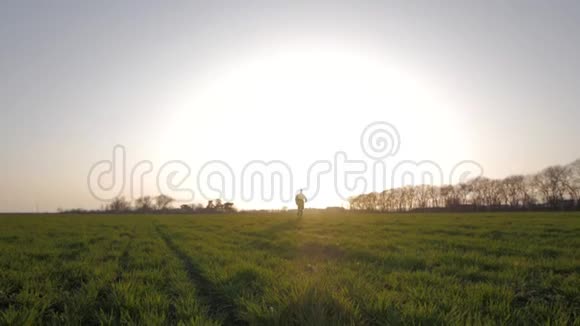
(194,88)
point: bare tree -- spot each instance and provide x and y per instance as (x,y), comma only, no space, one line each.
(162,201)
(119,204)
(496,193)
(219,204)
(144,203)
(385,201)
(420,196)
(575,182)
(434,195)
(553,183)
(229,207)
(516,191)
(463,192)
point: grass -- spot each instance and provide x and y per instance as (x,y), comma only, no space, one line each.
(276,269)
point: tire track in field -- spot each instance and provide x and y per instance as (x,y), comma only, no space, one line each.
(103,299)
(124,259)
(220,306)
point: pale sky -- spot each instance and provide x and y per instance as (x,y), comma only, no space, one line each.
(494,81)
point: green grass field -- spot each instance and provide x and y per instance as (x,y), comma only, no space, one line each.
(276,269)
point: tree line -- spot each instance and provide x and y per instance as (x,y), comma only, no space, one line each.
(554,188)
(158,204)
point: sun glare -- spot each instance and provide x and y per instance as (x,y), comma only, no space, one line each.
(316,99)
(303,86)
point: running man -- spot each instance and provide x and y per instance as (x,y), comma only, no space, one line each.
(300,200)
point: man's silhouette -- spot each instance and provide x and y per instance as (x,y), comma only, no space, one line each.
(300,200)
